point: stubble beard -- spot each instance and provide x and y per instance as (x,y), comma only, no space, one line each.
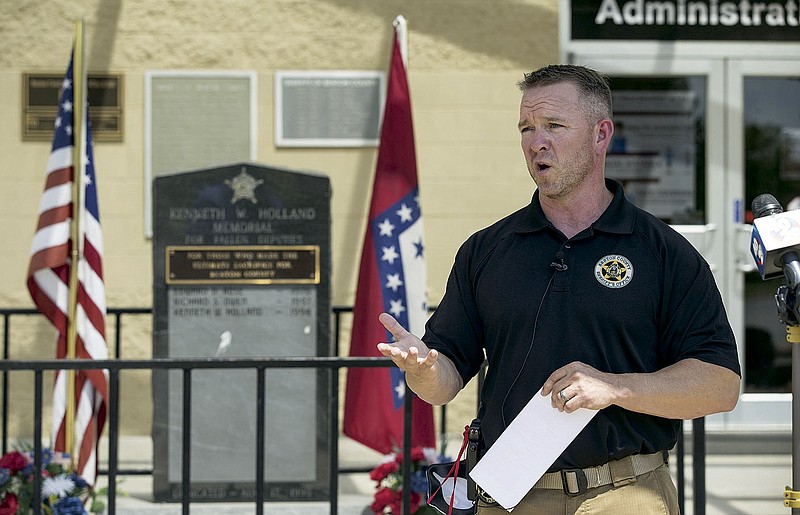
(566,179)
(563,178)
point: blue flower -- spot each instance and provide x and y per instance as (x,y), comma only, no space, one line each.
(69,506)
(419,483)
(47,457)
(5,475)
(78,480)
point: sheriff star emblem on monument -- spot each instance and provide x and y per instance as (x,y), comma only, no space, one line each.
(244,187)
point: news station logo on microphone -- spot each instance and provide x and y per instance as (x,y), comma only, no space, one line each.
(775,233)
(757,250)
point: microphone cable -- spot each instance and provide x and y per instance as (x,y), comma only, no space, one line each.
(558,268)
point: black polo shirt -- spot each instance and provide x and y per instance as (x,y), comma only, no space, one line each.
(635,296)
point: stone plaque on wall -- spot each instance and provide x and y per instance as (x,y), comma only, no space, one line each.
(241,265)
(196,119)
(328,108)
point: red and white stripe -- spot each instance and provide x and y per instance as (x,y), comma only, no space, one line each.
(48,283)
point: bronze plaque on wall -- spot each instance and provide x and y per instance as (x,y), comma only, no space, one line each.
(40,94)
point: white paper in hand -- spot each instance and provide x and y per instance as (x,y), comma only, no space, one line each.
(526,449)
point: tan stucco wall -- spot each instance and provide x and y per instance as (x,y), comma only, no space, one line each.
(465,57)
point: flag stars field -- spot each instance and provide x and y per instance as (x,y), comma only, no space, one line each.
(390,254)
(386,228)
(400,390)
(393,282)
(418,245)
(405,213)
(397,307)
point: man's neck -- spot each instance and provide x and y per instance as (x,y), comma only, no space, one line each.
(577,212)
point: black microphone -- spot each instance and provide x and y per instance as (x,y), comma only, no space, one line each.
(775,240)
(559,265)
(764,205)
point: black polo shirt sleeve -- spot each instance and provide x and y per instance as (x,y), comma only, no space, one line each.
(454,329)
(693,321)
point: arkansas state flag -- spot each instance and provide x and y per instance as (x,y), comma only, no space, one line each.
(392,278)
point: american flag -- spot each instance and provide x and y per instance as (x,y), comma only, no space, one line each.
(392,278)
(48,282)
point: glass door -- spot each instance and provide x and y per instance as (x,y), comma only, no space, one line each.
(668,144)
(763,153)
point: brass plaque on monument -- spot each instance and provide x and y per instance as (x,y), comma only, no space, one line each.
(40,94)
(298,264)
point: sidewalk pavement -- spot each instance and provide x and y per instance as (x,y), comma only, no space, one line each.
(741,479)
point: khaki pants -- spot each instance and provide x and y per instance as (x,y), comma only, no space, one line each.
(652,493)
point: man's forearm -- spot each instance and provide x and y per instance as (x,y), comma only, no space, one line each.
(688,389)
(438,388)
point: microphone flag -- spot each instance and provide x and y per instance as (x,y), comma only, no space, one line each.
(392,278)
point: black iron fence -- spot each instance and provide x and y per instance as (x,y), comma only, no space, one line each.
(260,365)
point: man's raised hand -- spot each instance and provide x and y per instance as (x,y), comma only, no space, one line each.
(408,352)
(429,374)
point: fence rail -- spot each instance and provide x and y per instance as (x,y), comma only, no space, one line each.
(260,365)
(187,366)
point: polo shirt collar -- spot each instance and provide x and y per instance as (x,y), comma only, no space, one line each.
(618,217)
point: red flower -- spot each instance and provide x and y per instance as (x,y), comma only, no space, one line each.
(390,498)
(394,500)
(9,505)
(397,502)
(14,461)
(417,454)
(383,498)
(416,498)
(380,472)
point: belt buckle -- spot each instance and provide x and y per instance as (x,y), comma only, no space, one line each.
(574,481)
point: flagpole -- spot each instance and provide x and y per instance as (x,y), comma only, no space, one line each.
(78,92)
(401,31)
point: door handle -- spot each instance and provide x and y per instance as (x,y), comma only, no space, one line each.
(744,262)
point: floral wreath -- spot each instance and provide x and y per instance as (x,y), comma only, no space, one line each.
(63,492)
(389,477)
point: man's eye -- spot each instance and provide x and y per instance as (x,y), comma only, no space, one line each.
(554,125)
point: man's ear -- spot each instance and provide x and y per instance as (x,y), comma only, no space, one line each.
(604,131)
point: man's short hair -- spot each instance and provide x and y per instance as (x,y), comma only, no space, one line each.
(590,84)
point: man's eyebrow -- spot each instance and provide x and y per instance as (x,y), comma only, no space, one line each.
(554,118)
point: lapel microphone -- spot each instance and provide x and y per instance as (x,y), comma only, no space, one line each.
(559,264)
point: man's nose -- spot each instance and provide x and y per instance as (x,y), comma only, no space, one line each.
(538,141)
